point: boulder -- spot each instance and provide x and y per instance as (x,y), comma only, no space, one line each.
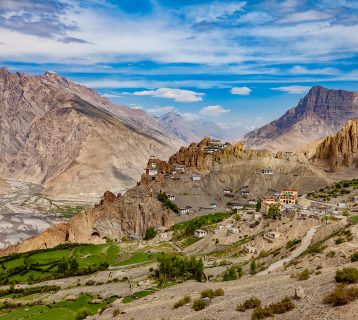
(299,293)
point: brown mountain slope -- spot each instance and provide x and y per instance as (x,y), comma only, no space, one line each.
(65,136)
(320,113)
(339,150)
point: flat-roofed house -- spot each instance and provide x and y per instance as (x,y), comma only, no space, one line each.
(200,233)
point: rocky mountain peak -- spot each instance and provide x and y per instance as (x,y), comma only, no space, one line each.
(4,72)
(341,149)
(320,113)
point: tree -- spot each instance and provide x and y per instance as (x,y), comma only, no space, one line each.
(150,233)
(258,205)
(74,265)
(273,212)
(253,267)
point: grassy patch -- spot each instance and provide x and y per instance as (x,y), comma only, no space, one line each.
(64,310)
(139,295)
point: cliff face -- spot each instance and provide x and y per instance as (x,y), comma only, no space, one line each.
(340,150)
(68,138)
(320,113)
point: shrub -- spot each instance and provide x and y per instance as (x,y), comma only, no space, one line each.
(230,274)
(341,295)
(209,293)
(253,267)
(182,302)
(82,314)
(354,257)
(198,305)
(262,313)
(281,307)
(219,292)
(90,283)
(116,312)
(251,303)
(331,254)
(304,275)
(150,233)
(347,275)
(339,240)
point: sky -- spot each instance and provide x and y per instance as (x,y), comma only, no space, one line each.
(239,64)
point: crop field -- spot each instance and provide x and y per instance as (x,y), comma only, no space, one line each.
(63,310)
(41,265)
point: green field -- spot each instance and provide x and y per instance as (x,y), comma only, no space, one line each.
(354,218)
(138,257)
(202,221)
(64,310)
(40,265)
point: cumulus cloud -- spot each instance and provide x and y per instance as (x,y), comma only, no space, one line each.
(309,15)
(293,89)
(243,91)
(215,110)
(178,95)
(190,116)
(161,110)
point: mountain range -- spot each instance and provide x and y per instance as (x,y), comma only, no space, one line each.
(320,113)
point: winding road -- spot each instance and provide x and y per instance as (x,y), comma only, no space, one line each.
(306,241)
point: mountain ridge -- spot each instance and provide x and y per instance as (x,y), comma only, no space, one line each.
(320,113)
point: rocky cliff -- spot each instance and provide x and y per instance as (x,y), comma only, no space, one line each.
(320,113)
(71,140)
(339,150)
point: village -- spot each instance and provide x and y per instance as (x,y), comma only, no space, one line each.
(244,206)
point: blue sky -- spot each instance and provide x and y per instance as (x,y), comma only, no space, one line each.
(240,64)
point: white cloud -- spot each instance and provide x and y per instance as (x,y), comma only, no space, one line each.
(112,95)
(310,15)
(212,11)
(303,70)
(178,95)
(213,111)
(161,110)
(243,91)
(293,89)
(190,116)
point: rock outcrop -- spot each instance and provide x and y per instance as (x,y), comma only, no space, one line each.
(339,150)
(320,113)
(71,140)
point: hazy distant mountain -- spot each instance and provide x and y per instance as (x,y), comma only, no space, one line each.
(73,141)
(190,131)
(320,113)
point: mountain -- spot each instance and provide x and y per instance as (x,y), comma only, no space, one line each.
(320,113)
(71,140)
(190,131)
(339,150)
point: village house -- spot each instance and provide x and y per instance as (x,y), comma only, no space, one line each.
(215,142)
(245,193)
(252,202)
(233,230)
(227,191)
(236,206)
(210,150)
(271,236)
(171,197)
(288,196)
(195,178)
(165,236)
(179,168)
(267,171)
(213,205)
(200,233)
(355,199)
(250,249)
(269,202)
(185,210)
(152,172)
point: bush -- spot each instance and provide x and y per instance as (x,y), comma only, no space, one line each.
(116,312)
(150,233)
(281,307)
(82,314)
(251,303)
(182,302)
(354,257)
(347,275)
(209,293)
(262,313)
(331,254)
(230,274)
(198,305)
(219,292)
(304,275)
(341,295)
